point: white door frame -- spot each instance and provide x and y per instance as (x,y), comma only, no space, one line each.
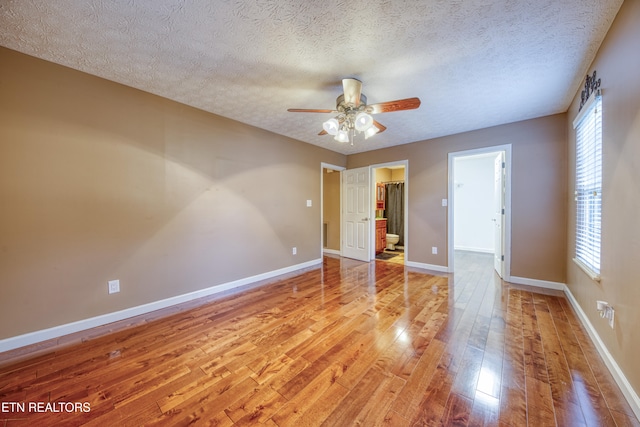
(336,168)
(404,163)
(499,167)
(506,148)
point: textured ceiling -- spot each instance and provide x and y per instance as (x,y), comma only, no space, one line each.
(473,63)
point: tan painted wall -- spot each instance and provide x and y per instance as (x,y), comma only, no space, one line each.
(397,174)
(618,65)
(383,174)
(331,208)
(100,181)
(539,195)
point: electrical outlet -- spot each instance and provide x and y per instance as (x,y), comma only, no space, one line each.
(309,204)
(294,250)
(114,286)
(606,311)
(434,250)
(611,315)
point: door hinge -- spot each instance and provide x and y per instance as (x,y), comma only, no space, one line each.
(502,258)
(502,211)
(504,165)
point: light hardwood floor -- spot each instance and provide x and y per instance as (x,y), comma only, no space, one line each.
(398,257)
(346,344)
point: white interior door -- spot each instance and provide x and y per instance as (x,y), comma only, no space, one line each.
(498,217)
(356,190)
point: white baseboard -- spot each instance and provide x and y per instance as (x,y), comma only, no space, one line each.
(614,369)
(439,268)
(539,283)
(616,372)
(473,249)
(81,325)
(331,251)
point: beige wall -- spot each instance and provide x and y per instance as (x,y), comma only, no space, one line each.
(383,174)
(618,65)
(539,195)
(331,208)
(397,174)
(99,181)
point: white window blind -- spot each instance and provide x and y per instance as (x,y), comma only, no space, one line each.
(588,192)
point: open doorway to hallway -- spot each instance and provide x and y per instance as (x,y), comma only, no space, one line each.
(330,221)
(479,205)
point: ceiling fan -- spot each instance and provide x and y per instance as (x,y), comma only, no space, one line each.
(354,115)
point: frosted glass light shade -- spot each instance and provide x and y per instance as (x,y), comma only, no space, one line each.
(363,121)
(331,126)
(370,132)
(342,136)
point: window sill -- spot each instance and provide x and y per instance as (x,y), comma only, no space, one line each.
(592,275)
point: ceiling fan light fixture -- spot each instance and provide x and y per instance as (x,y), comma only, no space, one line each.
(331,126)
(342,136)
(370,132)
(363,121)
(354,114)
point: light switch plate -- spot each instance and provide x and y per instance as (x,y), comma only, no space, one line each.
(114,286)
(308,203)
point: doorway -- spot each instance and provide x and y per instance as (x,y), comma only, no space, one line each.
(333,204)
(330,209)
(392,181)
(480,205)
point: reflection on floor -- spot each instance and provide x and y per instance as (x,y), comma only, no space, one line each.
(395,256)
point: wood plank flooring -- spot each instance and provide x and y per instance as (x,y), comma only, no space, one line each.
(346,344)
(397,256)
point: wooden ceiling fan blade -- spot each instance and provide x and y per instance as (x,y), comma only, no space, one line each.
(309,110)
(323,132)
(380,126)
(352,89)
(390,106)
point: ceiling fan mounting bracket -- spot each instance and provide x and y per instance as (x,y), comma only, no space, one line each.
(345,107)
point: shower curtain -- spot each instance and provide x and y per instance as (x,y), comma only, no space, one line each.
(395,209)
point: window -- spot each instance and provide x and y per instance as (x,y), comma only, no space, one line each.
(588,192)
